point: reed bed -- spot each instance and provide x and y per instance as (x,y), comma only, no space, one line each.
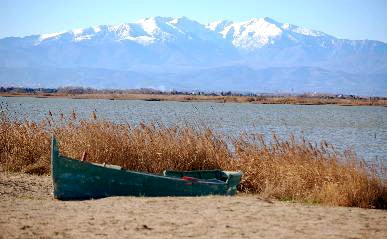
(285,169)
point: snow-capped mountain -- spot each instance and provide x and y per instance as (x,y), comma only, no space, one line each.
(256,55)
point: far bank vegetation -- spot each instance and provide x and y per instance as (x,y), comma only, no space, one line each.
(173,95)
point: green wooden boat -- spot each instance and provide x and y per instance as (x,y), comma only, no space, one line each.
(75,179)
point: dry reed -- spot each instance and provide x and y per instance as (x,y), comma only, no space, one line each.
(286,169)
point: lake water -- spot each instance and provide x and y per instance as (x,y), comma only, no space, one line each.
(361,128)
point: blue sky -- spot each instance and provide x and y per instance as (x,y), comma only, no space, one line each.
(352,19)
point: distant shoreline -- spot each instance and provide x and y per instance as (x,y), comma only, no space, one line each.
(295,100)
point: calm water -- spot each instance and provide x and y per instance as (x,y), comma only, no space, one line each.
(362,128)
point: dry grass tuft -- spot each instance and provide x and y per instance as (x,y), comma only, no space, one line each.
(301,171)
(291,169)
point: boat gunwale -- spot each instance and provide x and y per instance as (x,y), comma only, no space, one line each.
(201,181)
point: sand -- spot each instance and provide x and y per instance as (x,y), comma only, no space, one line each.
(27,210)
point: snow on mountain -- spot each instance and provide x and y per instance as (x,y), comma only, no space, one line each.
(49,35)
(302,30)
(165,46)
(251,34)
(259,32)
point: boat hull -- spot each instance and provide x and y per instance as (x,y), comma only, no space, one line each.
(74,179)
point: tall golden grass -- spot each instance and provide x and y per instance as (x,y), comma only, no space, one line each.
(285,169)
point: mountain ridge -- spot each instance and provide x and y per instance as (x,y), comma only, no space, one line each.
(173,46)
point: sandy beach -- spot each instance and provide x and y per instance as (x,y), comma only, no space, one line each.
(28,210)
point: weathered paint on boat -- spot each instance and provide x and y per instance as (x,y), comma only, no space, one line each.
(74,179)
